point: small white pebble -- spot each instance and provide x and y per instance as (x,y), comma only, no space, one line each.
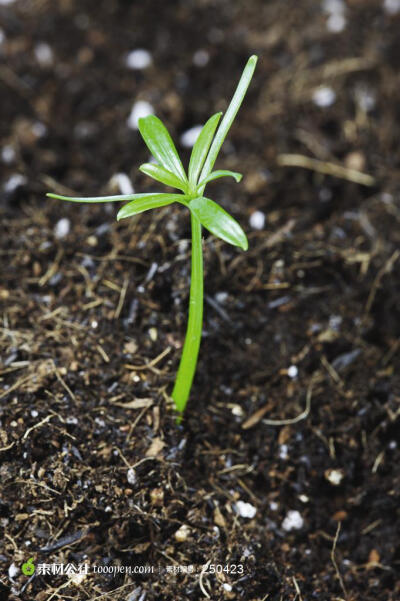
(94,324)
(201,58)
(44,54)
(334,476)
(77,579)
(237,411)
(333,6)
(13,571)
(123,183)
(7,154)
(392,444)
(392,7)
(6,2)
(387,198)
(365,98)
(131,476)
(283,451)
(246,552)
(335,321)
(138,59)
(153,334)
(227,587)
(324,96)
(189,137)
(71,420)
(304,498)
(62,228)
(34,413)
(221,297)
(273,505)
(292,372)
(245,510)
(257,220)
(108,509)
(14,182)
(336,23)
(292,521)
(182,534)
(39,129)
(140,109)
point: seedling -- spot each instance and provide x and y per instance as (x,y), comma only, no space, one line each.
(203,211)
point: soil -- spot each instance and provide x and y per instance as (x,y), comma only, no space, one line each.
(303,328)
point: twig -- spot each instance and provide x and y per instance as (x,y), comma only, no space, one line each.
(52,270)
(152,363)
(335,565)
(325,167)
(103,353)
(298,591)
(383,270)
(294,420)
(53,184)
(64,384)
(121,299)
(201,585)
(44,421)
(10,446)
(113,591)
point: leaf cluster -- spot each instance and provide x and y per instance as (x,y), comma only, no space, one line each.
(168,169)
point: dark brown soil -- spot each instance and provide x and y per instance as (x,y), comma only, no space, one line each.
(92,324)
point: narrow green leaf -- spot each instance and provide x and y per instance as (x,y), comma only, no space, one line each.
(201,148)
(118,198)
(229,116)
(160,174)
(217,221)
(221,173)
(161,146)
(150,201)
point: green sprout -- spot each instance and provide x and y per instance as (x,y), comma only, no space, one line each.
(203,211)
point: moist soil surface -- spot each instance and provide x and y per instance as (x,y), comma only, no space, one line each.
(304,328)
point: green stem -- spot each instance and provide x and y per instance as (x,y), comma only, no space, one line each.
(187,366)
(228,118)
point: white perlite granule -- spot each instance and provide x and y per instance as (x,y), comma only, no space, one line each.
(122,182)
(140,109)
(324,97)
(62,228)
(292,521)
(257,220)
(189,137)
(131,476)
(245,510)
(292,372)
(138,59)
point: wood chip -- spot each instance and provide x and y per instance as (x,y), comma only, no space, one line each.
(155,448)
(136,404)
